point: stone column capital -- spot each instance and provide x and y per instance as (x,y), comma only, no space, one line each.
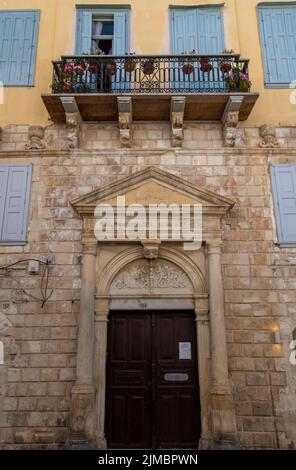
(214,247)
(89,247)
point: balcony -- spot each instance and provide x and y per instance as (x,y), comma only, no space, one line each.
(96,82)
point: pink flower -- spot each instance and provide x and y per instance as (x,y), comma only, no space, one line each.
(68,68)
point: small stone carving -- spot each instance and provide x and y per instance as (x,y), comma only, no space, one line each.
(230,131)
(268,135)
(36,136)
(177,120)
(125,126)
(73,128)
(151,249)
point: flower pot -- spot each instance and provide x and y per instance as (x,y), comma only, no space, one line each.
(187,68)
(68,68)
(129,65)
(205,66)
(111,68)
(225,67)
(79,68)
(67,88)
(93,68)
(148,67)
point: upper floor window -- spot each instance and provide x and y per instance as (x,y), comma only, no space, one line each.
(18,45)
(283,179)
(15,181)
(199,29)
(278,39)
(102,31)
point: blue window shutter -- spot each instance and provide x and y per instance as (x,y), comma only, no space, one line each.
(16,203)
(210,31)
(278,38)
(121,39)
(3,189)
(18,45)
(284,193)
(84,32)
(184,31)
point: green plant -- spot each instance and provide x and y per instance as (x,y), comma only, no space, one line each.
(238,80)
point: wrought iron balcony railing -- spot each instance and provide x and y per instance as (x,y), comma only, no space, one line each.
(151,74)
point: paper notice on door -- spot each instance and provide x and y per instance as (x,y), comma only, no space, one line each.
(184,350)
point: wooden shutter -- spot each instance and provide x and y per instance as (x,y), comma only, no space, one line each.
(184,31)
(284,193)
(121,37)
(278,37)
(16,203)
(84,32)
(3,189)
(18,44)
(210,31)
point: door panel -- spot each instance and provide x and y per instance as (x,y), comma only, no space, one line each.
(152,394)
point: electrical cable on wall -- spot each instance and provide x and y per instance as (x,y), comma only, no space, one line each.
(45,294)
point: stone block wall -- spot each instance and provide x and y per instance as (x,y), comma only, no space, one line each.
(259,279)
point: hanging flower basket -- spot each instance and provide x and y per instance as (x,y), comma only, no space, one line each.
(129,65)
(80,68)
(187,68)
(205,65)
(93,68)
(148,67)
(225,67)
(111,68)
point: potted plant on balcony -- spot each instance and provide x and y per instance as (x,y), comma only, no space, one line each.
(225,64)
(186,63)
(130,63)
(237,80)
(148,66)
(205,65)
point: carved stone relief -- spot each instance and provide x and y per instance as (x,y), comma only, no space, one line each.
(150,276)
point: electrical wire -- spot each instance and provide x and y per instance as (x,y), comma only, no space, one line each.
(45,296)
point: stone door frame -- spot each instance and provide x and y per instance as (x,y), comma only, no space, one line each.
(207,297)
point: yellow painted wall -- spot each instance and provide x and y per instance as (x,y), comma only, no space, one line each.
(149,34)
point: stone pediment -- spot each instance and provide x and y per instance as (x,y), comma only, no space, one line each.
(153,186)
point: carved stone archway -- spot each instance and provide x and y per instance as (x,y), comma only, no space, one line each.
(199,277)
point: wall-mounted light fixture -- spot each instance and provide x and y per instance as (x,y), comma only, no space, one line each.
(276,335)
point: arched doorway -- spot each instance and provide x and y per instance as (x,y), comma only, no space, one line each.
(152,386)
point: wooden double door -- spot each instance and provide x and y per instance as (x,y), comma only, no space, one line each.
(152,396)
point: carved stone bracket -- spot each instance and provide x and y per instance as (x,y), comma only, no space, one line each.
(125,119)
(268,136)
(230,120)
(36,136)
(151,248)
(177,119)
(73,121)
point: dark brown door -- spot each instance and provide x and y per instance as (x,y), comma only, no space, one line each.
(152,396)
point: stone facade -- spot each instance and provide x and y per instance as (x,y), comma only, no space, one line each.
(259,278)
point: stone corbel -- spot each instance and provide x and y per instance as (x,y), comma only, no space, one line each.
(73,121)
(177,119)
(125,119)
(36,136)
(151,248)
(268,136)
(230,120)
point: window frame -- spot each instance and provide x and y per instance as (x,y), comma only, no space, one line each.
(31,82)
(280,235)
(104,10)
(271,6)
(27,206)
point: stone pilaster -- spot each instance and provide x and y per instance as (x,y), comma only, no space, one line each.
(223,432)
(101,326)
(83,393)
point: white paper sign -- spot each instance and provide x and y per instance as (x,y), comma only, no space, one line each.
(184,350)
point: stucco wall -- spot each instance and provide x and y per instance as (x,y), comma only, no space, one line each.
(57,36)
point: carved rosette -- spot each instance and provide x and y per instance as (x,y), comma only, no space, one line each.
(268,136)
(36,136)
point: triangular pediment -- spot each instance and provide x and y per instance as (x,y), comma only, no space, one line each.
(152,186)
